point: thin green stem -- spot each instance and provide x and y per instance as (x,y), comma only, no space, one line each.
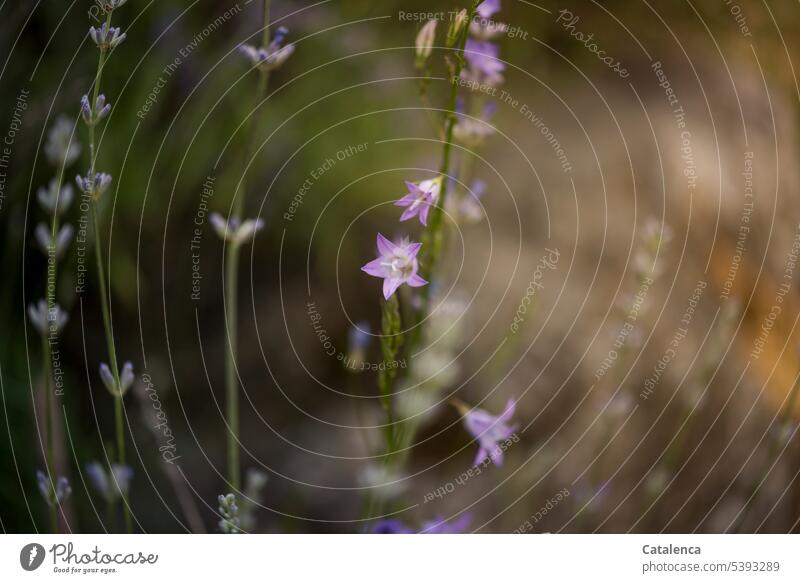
(112,357)
(391,341)
(434,233)
(48,420)
(232,280)
(231,382)
(104,297)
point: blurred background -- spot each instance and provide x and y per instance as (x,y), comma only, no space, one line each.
(640,389)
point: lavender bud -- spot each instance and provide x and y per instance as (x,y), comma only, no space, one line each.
(219,224)
(92,117)
(52,201)
(108,379)
(106,37)
(99,479)
(272,57)
(46,319)
(42,235)
(248,230)
(456,26)
(60,149)
(63,238)
(230,523)
(86,110)
(424,43)
(62,489)
(94,186)
(44,485)
(126,378)
(122,479)
(101,108)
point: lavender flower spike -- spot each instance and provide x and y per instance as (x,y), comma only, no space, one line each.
(95,186)
(490,431)
(106,37)
(420,198)
(60,147)
(126,378)
(111,487)
(47,320)
(94,115)
(397,264)
(62,489)
(62,241)
(235,231)
(53,201)
(272,57)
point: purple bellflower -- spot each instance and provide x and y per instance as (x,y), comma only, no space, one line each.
(490,431)
(397,264)
(484,64)
(420,198)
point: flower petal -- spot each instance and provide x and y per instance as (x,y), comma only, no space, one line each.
(416,281)
(375,268)
(423,214)
(385,247)
(390,285)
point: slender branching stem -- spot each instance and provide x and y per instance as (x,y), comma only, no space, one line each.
(104,297)
(232,281)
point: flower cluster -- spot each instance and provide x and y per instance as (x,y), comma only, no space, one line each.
(94,186)
(229,511)
(126,378)
(94,114)
(106,37)
(113,485)
(51,238)
(235,231)
(484,65)
(271,57)
(53,495)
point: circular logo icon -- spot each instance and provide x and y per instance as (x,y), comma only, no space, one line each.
(31,556)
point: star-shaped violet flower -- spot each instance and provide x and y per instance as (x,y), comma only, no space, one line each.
(490,431)
(420,198)
(397,264)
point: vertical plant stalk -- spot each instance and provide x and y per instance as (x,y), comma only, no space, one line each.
(48,420)
(391,341)
(104,298)
(232,284)
(47,363)
(434,234)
